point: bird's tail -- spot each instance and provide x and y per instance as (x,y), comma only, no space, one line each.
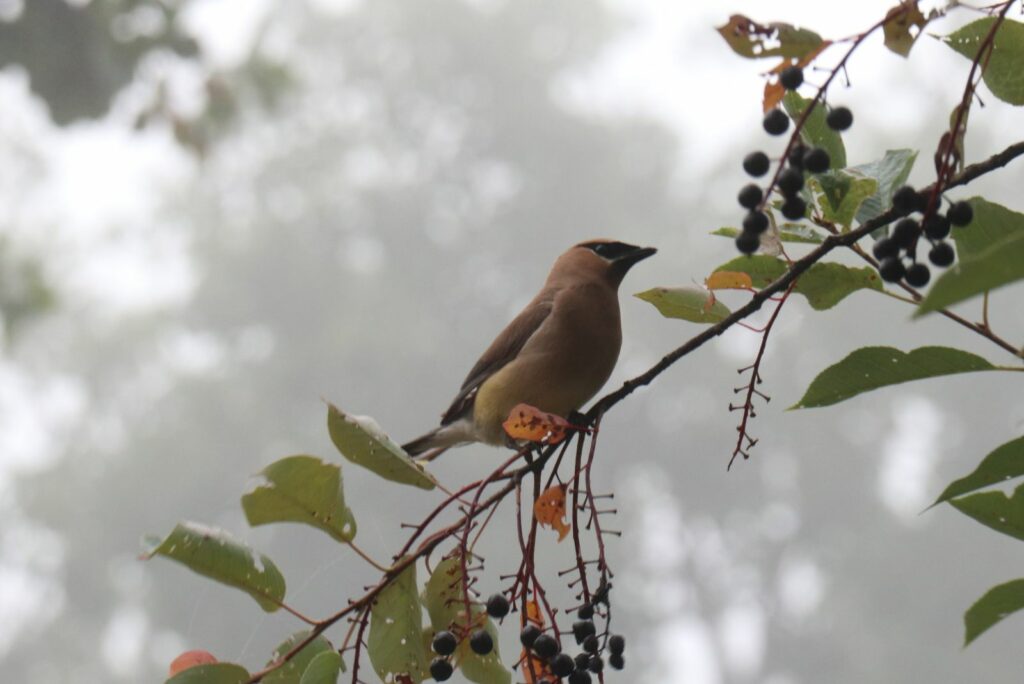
(436,442)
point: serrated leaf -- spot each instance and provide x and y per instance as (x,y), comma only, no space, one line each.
(302,489)
(324,668)
(839,194)
(361,440)
(214,553)
(996,510)
(898,22)
(999,265)
(816,132)
(445,603)
(215,673)
(395,644)
(870,368)
(1004,74)
(998,603)
(292,672)
(824,284)
(788,232)
(691,303)
(1004,463)
(749,39)
(891,171)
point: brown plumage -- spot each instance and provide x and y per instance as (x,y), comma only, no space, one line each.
(555,355)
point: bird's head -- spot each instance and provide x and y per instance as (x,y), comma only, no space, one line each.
(606,259)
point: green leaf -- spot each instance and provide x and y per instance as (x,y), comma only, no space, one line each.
(998,602)
(824,284)
(992,224)
(214,673)
(302,489)
(815,131)
(999,265)
(839,194)
(869,368)
(442,597)
(1004,74)
(323,669)
(891,171)
(896,28)
(688,303)
(996,510)
(788,232)
(395,643)
(1002,464)
(293,671)
(752,40)
(360,440)
(214,553)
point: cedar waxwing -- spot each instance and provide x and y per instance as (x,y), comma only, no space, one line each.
(555,355)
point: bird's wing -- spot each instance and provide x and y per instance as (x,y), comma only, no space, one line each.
(506,346)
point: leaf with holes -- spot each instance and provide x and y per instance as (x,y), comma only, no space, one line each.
(395,643)
(549,510)
(870,368)
(898,24)
(1003,74)
(1004,463)
(214,553)
(749,39)
(533,425)
(691,303)
(302,489)
(361,440)
(998,603)
(996,510)
(292,671)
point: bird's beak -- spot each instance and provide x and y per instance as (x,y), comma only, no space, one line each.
(637,254)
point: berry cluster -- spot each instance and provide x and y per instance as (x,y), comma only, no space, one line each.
(897,253)
(480,640)
(790,181)
(578,669)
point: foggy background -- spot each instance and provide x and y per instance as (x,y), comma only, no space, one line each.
(215,213)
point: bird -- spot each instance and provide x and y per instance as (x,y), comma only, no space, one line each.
(555,355)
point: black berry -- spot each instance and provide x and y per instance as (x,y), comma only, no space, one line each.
(776,122)
(904,200)
(816,160)
(582,661)
(755,222)
(795,158)
(891,269)
(791,77)
(885,247)
(497,606)
(794,208)
(591,644)
(481,642)
(440,669)
(580,677)
(942,254)
(790,181)
(905,232)
(839,119)
(918,275)
(756,164)
(444,643)
(562,665)
(545,646)
(582,629)
(595,664)
(750,195)
(747,242)
(960,214)
(616,643)
(585,612)
(529,635)
(616,661)
(936,226)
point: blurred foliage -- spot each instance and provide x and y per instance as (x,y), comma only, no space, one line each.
(24,292)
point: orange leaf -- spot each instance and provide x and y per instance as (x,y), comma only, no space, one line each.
(533,425)
(540,668)
(897,27)
(190,659)
(549,509)
(729,280)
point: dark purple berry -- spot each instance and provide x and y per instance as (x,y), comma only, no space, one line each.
(562,665)
(580,677)
(440,669)
(616,661)
(582,661)
(790,181)
(750,195)
(444,643)
(891,269)
(792,77)
(795,158)
(886,247)
(616,643)
(816,160)
(747,242)
(497,606)
(839,119)
(585,612)
(755,222)
(582,629)
(905,200)
(960,214)
(756,164)
(776,122)
(481,642)
(591,644)
(595,664)
(942,254)
(936,226)
(905,232)
(529,635)
(545,646)
(794,208)
(918,275)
